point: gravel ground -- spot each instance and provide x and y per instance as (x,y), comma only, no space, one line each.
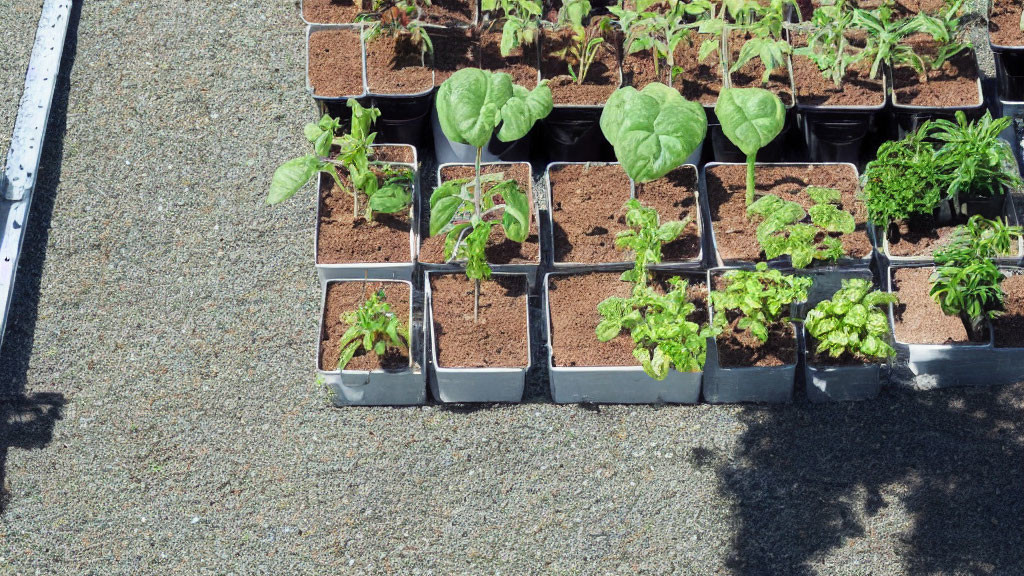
(160,416)
(17,21)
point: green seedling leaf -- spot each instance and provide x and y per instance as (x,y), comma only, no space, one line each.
(291,176)
(750,118)
(523,110)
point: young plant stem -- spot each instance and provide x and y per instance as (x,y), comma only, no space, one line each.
(751,159)
(477,199)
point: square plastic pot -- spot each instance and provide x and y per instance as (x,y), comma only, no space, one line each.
(471,385)
(841,133)
(624,264)
(362,57)
(614,384)
(1009,62)
(377,387)
(373,270)
(827,383)
(715,258)
(910,117)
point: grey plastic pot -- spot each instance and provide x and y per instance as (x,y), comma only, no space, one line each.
(466,385)
(942,365)
(715,257)
(362,57)
(376,387)
(374,270)
(614,384)
(840,383)
(581,266)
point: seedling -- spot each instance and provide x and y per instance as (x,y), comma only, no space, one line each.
(979,239)
(471,105)
(946,29)
(587,41)
(767,44)
(395,17)
(885,44)
(750,118)
(904,180)
(663,336)
(853,323)
(658,31)
(520,22)
(974,157)
(652,130)
(394,195)
(760,297)
(372,328)
(971,290)
(783,229)
(828,46)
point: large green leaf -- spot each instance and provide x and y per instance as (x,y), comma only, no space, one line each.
(653,130)
(516,215)
(523,109)
(469,105)
(750,117)
(290,177)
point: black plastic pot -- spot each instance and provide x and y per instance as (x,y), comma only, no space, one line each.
(574,135)
(1009,72)
(990,207)
(403,119)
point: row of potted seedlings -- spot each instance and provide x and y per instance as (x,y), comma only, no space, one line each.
(834,72)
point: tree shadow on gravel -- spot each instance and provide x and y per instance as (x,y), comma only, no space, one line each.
(27,419)
(808,479)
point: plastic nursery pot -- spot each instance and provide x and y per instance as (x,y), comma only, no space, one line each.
(841,133)
(826,281)
(714,254)
(624,261)
(829,383)
(942,365)
(1007,363)
(379,387)
(371,270)
(771,384)
(469,384)
(450,152)
(573,134)
(402,119)
(909,117)
(337,36)
(529,269)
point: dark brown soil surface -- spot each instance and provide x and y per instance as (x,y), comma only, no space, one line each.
(447,12)
(499,338)
(955,84)
(574,319)
(587,212)
(749,75)
(740,349)
(345,297)
(814,89)
(454,49)
(335,63)
(500,250)
(389,153)
(735,234)
(332,11)
(1009,328)
(393,66)
(919,319)
(522,68)
(698,82)
(902,8)
(1004,23)
(343,240)
(602,78)
(674,196)
(919,236)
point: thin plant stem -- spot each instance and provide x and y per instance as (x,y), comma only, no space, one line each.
(477,199)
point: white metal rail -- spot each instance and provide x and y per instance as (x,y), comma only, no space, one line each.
(22,167)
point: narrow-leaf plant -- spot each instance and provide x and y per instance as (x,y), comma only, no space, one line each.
(372,327)
(751,118)
(471,105)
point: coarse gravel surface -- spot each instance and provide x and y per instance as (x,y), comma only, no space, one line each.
(158,412)
(18,20)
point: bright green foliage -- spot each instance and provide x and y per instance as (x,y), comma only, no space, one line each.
(372,328)
(760,297)
(903,180)
(659,31)
(473,103)
(971,290)
(980,238)
(853,322)
(751,118)
(653,130)
(783,231)
(947,30)
(520,22)
(973,156)
(663,335)
(586,41)
(645,238)
(767,43)
(394,17)
(828,46)
(885,44)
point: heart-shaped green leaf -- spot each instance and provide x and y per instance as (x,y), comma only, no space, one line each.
(750,117)
(469,105)
(523,109)
(292,176)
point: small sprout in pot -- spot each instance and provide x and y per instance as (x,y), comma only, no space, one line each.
(587,41)
(760,297)
(652,130)
(852,325)
(520,22)
(372,328)
(948,32)
(783,231)
(659,31)
(396,18)
(751,118)
(885,42)
(471,105)
(827,44)
(764,24)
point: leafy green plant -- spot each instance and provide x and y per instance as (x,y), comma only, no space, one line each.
(395,17)
(767,43)
(828,46)
(750,118)
(471,105)
(372,328)
(904,180)
(393,195)
(587,41)
(653,130)
(783,231)
(645,238)
(886,35)
(971,290)
(979,238)
(974,157)
(759,296)
(660,31)
(853,322)
(520,22)
(947,30)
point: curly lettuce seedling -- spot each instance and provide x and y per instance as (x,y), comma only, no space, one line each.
(853,322)
(783,231)
(760,296)
(645,238)
(751,118)
(372,328)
